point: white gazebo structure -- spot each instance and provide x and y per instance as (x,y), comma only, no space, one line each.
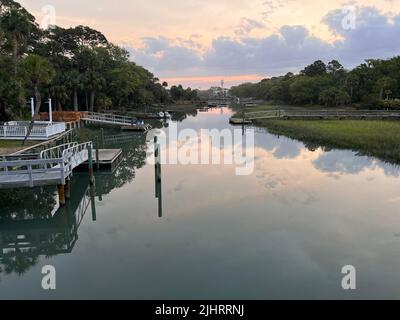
(41,130)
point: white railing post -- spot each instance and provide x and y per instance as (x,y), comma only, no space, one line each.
(32,107)
(50,111)
(62,165)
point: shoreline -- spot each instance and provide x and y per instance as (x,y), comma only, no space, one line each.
(380,139)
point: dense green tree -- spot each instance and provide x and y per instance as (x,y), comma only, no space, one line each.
(19,29)
(335,67)
(351,84)
(318,68)
(386,86)
(306,90)
(281,91)
(367,85)
(334,97)
(36,72)
(89,71)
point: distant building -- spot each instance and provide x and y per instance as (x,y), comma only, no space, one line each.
(219,92)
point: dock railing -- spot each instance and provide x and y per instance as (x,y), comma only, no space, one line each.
(30,168)
(55,163)
(17,130)
(323,114)
(56,152)
(108,118)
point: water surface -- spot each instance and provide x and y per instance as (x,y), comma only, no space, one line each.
(285,231)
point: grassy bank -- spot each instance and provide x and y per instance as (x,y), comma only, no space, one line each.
(375,138)
(8,147)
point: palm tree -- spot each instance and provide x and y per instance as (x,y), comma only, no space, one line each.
(19,27)
(60,94)
(36,71)
(385,84)
(74,82)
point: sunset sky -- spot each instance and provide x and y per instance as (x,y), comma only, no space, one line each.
(200,42)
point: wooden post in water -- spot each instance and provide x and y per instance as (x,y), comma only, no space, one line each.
(61,194)
(157,174)
(155,163)
(68,189)
(97,154)
(90,161)
(93,202)
(159,191)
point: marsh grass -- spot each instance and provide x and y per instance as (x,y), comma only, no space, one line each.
(374,138)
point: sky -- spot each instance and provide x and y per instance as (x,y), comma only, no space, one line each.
(200,42)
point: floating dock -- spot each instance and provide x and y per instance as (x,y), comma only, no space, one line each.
(109,160)
(137,128)
(239,121)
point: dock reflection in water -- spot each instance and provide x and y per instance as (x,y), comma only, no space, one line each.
(27,234)
(24,239)
(284,231)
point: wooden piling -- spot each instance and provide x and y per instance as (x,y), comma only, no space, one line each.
(97,154)
(93,202)
(90,167)
(61,194)
(157,175)
(68,189)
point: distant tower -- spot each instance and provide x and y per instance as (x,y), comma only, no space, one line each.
(222,87)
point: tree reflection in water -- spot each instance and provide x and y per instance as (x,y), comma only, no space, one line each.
(27,232)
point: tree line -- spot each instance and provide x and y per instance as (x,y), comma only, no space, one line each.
(375,84)
(77,67)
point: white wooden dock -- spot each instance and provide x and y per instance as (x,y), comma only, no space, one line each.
(18,130)
(111,119)
(53,167)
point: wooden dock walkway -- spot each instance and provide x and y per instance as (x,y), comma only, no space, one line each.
(104,118)
(53,166)
(107,162)
(316,115)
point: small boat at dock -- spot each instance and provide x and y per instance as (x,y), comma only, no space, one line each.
(156,116)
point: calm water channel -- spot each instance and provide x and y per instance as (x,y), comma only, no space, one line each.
(284,231)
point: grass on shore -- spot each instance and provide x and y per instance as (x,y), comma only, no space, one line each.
(8,146)
(374,138)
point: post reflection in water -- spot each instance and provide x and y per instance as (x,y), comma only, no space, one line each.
(92,190)
(23,240)
(26,233)
(304,213)
(157,175)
